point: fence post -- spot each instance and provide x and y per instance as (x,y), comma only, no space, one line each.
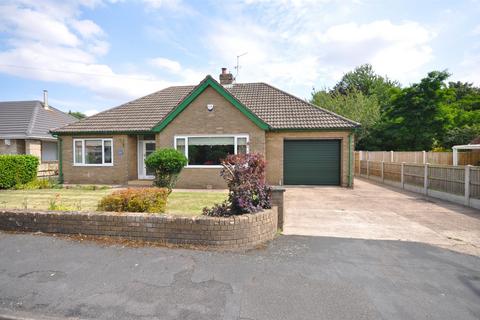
(424,155)
(383,168)
(402,177)
(425,180)
(467,185)
(391,156)
(368,169)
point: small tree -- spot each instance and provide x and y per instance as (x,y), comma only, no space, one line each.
(167,165)
(248,192)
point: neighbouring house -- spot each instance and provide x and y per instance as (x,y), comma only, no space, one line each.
(25,128)
(473,156)
(303,144)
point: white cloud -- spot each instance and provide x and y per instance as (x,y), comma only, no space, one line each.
(91,112)
(301,44)
(87,28)
(476,30)
(166,64)
(42,45)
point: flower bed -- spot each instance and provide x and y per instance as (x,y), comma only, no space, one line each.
(228,233)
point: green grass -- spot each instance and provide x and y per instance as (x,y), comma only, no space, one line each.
(185,203)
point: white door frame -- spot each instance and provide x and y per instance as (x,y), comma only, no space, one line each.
(142,170)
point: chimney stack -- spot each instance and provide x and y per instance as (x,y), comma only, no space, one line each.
(226,78)
(45,99)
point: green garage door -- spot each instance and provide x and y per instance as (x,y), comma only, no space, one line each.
(311,162)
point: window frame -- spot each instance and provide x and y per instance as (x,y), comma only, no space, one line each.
(83,164)
(235,145)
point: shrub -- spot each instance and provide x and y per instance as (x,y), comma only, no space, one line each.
(17,169)
(167,165)
(248,192)
(153,200)
(39,184)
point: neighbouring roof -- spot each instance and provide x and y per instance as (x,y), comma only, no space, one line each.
(29,119)
(274,107)
(475,141)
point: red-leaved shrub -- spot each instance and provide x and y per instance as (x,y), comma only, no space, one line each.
(248,192)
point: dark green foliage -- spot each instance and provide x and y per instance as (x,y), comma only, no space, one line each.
(152,200)
(77,114)
(17,169)
(248,192)
(167,165)
(427,115)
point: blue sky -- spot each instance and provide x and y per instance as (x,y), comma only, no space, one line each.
(92,55)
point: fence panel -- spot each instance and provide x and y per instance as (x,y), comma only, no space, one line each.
(408,156)
(431,157)
(47,169)
(448,179)
(363,167)
(392,171)
(414,174)
(475,182)
(445,158)
(375,169)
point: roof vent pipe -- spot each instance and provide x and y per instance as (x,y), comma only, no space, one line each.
(45,99)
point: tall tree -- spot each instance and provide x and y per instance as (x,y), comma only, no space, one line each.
(365,80)
(414,119)
(355,105)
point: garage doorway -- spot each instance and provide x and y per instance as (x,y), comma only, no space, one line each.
(311,162)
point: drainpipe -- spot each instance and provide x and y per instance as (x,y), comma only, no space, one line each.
(60,159)
(350,151)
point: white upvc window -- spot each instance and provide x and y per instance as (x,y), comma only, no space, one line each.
(208,151)
(93,152)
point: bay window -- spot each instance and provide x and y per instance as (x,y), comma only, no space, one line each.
(93,152)
(209,151)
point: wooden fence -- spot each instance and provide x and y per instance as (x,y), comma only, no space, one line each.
(421,157)
(460,184)
(47,169)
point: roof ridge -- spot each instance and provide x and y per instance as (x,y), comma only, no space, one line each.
(33,118)
(114,108)
(312,105)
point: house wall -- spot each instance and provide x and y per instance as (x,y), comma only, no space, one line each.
(274,151)
(124,153)
(16,147)
(34,148)
(195,120)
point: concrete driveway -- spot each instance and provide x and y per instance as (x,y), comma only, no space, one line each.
(373,211)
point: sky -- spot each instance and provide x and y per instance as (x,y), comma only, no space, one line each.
(92,55)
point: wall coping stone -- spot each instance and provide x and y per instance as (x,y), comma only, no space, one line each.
(229,233)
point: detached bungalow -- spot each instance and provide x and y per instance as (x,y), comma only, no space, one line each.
(303,144)
(25,126)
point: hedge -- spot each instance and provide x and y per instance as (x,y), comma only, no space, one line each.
(17,169)
(152,200)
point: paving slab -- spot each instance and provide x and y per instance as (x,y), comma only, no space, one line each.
(374,211)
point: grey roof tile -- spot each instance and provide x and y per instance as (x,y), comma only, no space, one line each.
(275,107)
(28,119)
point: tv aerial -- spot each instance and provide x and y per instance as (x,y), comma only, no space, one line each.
(237,67)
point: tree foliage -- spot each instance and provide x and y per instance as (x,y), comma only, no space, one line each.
(77,114)
(425,115)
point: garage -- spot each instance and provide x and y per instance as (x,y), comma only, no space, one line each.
(311,162)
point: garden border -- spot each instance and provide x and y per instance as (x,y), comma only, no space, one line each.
(229,233)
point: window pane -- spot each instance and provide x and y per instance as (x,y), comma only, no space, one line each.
(107,149)
(181,145)
(241,145)
(209,150)
(93,151)
(78,151)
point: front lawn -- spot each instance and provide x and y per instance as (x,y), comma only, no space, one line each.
(181,202)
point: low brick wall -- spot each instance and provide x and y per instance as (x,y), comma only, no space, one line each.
(239,232)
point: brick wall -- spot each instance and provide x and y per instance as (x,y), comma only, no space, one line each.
(124,150)
(197,120)
(15,147)
(274,151)
(34,147)
(239,232)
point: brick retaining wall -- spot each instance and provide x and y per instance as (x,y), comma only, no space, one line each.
(239,232)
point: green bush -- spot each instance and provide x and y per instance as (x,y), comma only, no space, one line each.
(17,169)
(41,183)
(167,165)
(153,200)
